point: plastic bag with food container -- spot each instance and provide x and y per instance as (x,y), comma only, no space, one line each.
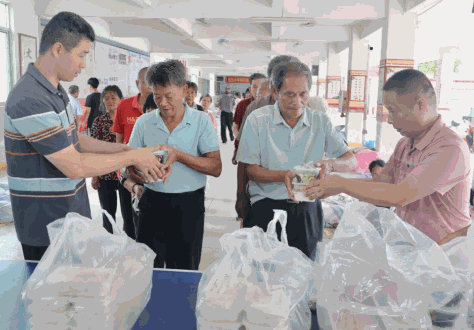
(258,282)
(379,272)
(88,277)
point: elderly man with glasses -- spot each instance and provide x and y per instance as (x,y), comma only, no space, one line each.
(278,137)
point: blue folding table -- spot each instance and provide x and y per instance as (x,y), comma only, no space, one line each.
(171,306)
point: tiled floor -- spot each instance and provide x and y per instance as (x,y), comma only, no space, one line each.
(220,212)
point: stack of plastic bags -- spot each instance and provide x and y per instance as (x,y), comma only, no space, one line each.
(88,278)
(6,214)
(380,273)
(259,282)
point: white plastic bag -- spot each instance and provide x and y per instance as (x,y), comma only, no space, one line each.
(379,272)
(6,213)
(332,214)
(259,282)
(88,278)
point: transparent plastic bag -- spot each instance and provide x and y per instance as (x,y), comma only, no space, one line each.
(88,277)
(459,252)
(379,272)
(6,213)
(332,214)
(259,282)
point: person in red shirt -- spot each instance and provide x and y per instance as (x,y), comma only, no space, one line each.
(126,115)
(255,81)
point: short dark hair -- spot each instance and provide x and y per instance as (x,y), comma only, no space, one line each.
(169,72)
(207,95)
(407,81)
(149,103)
(256,76)
(68,29)
(94,82)
(237,94)
(112,88)
(377,162)
(73,89)
(192,85)
(278,60)
(282,70)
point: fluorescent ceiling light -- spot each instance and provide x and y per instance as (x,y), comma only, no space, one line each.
(143,3)
(282,19)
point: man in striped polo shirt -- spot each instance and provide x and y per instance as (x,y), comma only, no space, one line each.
(47,160)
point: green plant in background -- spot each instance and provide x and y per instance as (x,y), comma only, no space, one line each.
(428,67)
(457,64)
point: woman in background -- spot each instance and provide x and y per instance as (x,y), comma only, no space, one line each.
(206,102)
(107,185)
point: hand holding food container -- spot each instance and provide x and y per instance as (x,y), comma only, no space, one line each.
(304,175)
(161,156)
(146,163)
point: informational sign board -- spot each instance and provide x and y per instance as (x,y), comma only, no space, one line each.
(334,88)
(237,80)
(387,69)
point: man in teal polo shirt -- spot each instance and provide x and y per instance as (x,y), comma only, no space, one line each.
(171,213)
(278,137)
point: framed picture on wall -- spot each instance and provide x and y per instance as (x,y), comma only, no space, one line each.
(27,52)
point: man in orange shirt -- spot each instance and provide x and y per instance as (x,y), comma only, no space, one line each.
(127,113)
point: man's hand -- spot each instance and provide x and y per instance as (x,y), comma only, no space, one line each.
(148,164)
(84,125)
(242,205)
(95,183)
(290,175)
(135,176)
(234,158)
(321,188)
(326,167)
(171,158)
(138,190)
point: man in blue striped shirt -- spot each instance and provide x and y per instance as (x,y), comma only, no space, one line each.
(47,160)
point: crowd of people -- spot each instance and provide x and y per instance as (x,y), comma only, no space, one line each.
(276,127)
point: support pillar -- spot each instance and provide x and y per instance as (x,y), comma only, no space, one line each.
(333,81)
(398,40)
(356,90)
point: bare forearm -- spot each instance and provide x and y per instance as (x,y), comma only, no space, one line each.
(378,193)
(100,164)
(259,174)
(242,178)
(86,115)
(119,138)
(204,165)
(91,145)
(346,163)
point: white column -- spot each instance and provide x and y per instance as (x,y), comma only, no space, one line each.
(357,75)
(398,40)
(333,81)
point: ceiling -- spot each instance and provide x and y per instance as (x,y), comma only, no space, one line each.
(231,36)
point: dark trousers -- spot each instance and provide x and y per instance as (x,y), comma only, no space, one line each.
(471,199)
(127,212)
(108,200)
(305,222)
(226,123)
(172,225)
(34,253)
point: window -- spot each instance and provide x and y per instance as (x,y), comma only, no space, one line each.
(4,19)
(4,67)
(5,75)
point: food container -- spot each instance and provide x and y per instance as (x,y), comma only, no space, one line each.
(304,175)
(161,155)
